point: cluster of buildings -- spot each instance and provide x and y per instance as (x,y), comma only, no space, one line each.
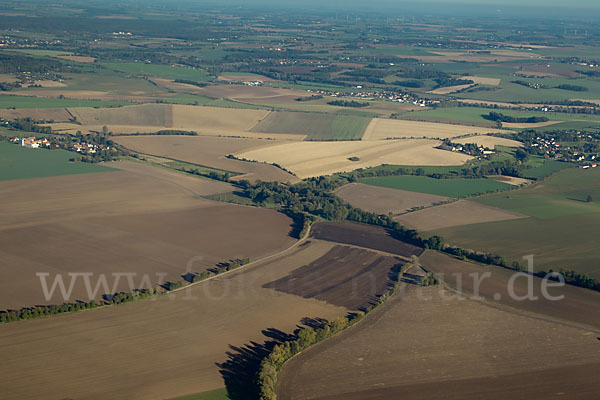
(87,148)
(31,142)
(553,148)
(377,95)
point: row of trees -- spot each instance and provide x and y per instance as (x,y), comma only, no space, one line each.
(40,311)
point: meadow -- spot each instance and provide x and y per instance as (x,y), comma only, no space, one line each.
(159,71)
(458,187)
(316,126)
(17,162)
(7,101)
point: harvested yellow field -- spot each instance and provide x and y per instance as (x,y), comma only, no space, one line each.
(149,118)
(81,59)
(489,141)
(461,212)
(380,128)
(450,89)
(517,125)
(309,159)
(483,81)
(49,84)
(209,151)
(511,180)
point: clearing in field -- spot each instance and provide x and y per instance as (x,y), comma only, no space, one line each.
(489,353)
(208,151)
(458,213)
(382,200)
(142,219)
(191,331)
(489,141)
(17,162)
(394,128)
(457,187)
(345,276)
(310,159)
(315,126)
(511,180)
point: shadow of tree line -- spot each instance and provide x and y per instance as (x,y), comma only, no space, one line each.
(242,365)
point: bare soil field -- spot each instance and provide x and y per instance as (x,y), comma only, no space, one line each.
(164,348)
(382,200)
(251,94)
(86,95)
(8,78)
(489,141)
(511,180)
(394,128)
(461,212)
(362,235)
(37,114)
(423,344)
(81,59)
(208,151)
(579,306)
(141,220)
(310,159)
(345,276)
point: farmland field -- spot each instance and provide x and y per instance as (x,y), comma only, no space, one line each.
(314,126)
(17,162)
(190,331)
(562,194)
(489,141)
(159,71)
(345,276)
(458,187)
(310,159)
(8,101)
(391,128)
(208,151)
(135,230)
(561,242)
(382,200)
(367,236)
(458,213)
(395,353)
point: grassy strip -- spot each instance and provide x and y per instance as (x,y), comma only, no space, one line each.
(304,338)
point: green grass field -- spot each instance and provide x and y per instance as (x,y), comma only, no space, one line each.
(159,71)
(442,187)
(541,168)
(316,126)
(563,242)
(42,102)
(474,115)
(562,194)
(18,162)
